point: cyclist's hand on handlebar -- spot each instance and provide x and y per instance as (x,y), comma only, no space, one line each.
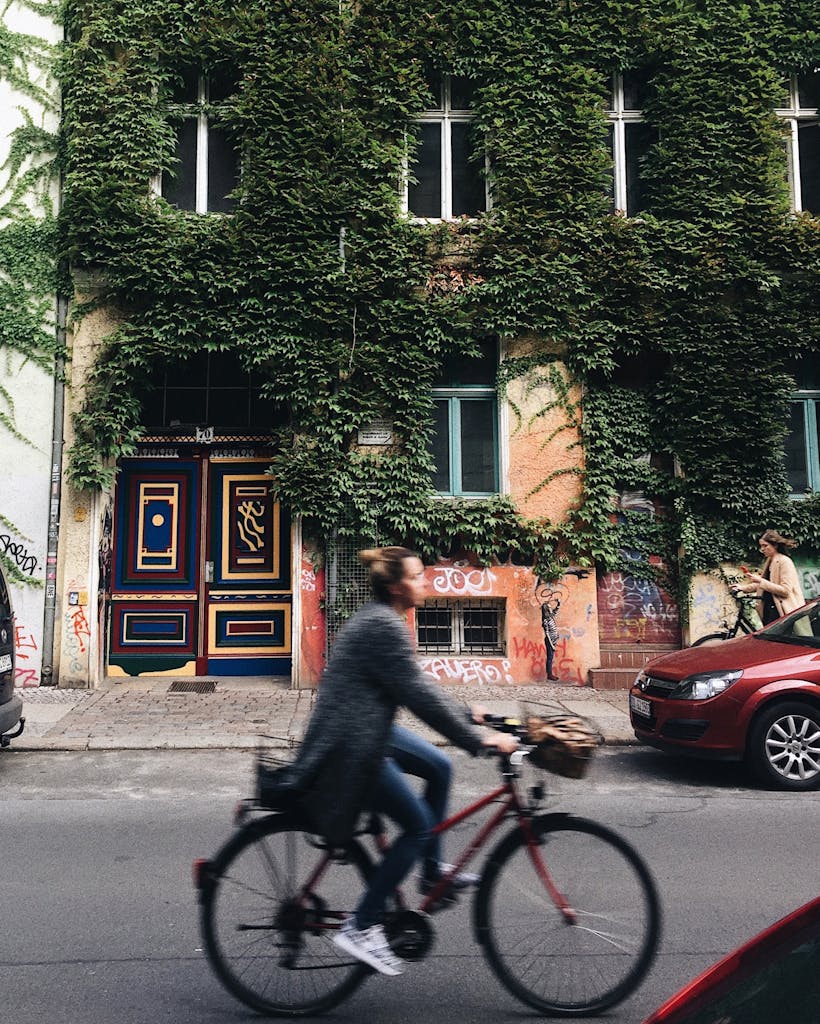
(478,713)
(503,742)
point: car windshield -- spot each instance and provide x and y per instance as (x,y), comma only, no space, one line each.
(801,627)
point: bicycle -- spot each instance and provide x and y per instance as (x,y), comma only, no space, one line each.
(742,623)
(566,911)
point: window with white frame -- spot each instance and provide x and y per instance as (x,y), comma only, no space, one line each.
(450,626)
(446,178)
(464,443)
(206,166)
(629,139)
(801,114)
(802,448)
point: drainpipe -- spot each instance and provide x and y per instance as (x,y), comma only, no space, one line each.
(47,672)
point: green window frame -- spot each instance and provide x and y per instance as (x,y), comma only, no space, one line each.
(464,440)
(802,447)
(465,445)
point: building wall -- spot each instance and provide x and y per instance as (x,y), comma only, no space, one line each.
(26,451)
(533,447)
(85,530)
(712,606)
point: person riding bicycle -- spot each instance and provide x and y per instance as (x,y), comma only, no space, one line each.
(351,755)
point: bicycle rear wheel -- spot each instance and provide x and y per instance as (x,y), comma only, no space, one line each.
(711,638)
(577,968)
(271,901)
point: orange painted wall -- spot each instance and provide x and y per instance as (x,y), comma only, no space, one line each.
(313,621)
(525,660)
(541,444)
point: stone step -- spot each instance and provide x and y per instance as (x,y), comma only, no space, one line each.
(612,678)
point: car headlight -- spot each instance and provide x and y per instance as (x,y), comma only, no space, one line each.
(640,680)
(704,685)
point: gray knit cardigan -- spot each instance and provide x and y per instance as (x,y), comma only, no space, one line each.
(372,672)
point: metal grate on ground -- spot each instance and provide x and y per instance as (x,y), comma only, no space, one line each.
(193,686)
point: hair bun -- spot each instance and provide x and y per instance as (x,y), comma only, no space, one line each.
(370,555)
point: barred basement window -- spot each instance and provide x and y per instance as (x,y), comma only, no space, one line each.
(461,627)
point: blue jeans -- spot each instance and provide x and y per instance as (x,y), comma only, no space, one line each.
(415,815)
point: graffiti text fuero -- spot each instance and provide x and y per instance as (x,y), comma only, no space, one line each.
(467,670)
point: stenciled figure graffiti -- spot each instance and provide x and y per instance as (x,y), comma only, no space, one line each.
(550,603)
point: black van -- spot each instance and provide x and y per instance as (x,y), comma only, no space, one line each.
(11,704)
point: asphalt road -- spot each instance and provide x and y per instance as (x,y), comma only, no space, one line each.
(99,916)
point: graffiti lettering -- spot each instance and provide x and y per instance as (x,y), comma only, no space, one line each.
(450,579)
(25,677)
(811,582)
(14,549)
(308,580)
(636,609)
(462,670)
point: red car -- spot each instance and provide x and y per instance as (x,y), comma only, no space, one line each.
(773,977)
(755,698)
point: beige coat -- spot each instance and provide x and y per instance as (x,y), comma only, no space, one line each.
(785,585)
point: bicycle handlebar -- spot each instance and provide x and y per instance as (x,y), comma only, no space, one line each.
(504,723)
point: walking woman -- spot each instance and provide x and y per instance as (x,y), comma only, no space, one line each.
(778,583)
(345,763)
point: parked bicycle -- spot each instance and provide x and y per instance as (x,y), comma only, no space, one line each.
(566,911)
(742,624)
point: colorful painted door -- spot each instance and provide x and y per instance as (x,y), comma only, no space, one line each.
(201,581)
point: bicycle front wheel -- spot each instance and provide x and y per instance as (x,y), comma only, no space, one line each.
(582,962)
(271,901)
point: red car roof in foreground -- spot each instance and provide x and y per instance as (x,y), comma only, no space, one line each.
(741,965)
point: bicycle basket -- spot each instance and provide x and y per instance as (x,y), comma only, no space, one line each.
(276,788)
(563,743)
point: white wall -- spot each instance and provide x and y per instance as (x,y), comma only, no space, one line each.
(25,460)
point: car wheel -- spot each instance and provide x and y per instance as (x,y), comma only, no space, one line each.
(784,746)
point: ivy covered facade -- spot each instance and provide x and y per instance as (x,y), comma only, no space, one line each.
(532,290)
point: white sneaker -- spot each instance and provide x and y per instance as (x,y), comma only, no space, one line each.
(369,945)
(463,880)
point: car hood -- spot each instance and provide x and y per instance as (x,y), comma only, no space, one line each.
(744,652)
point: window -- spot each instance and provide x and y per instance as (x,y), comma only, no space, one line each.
(803,440)
(446,179)
(801,113)
(206,169)
(460,627)
(629,139)
(465,424)
(209,389)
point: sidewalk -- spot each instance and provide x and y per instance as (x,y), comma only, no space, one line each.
(144,714)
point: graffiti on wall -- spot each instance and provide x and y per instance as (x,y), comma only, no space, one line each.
(463,581)
(76,631)
(25,654)
(468,671)
(810,578)
(632,610)
(18,553)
